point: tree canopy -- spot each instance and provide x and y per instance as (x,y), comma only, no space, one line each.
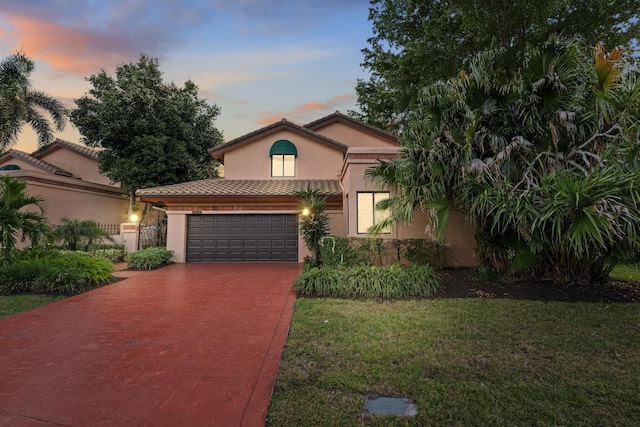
(153,133)
(20,104)
(545,161)
(418,42)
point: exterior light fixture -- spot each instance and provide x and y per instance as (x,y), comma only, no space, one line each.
(133,217)
(305,212)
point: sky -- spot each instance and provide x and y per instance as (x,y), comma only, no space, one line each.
(258,60)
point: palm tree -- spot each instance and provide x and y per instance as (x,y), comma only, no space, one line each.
(20,104)
(15,220)
(80,235)
(545,162)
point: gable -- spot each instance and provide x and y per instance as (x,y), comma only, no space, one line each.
(352,132)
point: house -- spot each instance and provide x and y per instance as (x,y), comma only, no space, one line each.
(250,213)
(67,176)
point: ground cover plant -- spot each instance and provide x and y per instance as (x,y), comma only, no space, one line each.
(368,282)
(477,353)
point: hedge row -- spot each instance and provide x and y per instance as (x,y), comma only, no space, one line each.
(368,282)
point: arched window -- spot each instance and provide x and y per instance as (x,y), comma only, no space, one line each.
(10,167)
(283,158)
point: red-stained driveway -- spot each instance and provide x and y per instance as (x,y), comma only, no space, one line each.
(186,345)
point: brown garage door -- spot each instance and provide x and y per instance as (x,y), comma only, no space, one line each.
(242,237)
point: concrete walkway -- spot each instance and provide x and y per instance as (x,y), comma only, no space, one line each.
(185,345)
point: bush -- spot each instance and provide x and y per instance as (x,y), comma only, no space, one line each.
(53,271)
(112,254)
(148,259)
(368,282)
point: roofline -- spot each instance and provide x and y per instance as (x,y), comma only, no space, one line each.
(215,152)
(343,118)
(66,144)
(26,157)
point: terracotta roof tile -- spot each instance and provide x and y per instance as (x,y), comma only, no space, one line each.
(41,164)
(244,187)
(92,153)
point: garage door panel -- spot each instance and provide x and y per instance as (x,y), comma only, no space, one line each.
(242,237)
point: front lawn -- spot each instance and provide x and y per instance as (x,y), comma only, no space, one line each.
(465,361)
(13,304)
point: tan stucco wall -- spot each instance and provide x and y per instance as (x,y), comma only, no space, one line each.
(353,137)
(252,161)
(26,166)
(68,197)
(79,165)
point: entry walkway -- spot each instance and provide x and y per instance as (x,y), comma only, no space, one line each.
(185,345)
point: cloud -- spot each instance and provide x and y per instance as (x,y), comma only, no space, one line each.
(307,111)
(68,49)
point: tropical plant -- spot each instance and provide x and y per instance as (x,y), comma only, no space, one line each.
(149,258)
(80,235)
(16,220)
(20,104)
(314,222)
(417,43)
(544,161)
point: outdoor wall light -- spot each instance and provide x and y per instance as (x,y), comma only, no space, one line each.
(306,212)
(133,218)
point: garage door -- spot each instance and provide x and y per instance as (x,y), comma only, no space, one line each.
(242,238)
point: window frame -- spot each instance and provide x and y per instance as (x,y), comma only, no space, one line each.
(374,220)
(283,164)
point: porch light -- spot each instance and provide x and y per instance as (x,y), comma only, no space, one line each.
(306,212)
(133,217)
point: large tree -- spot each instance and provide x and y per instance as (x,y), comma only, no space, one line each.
(153,133)
(546,162)
(21,215)
(418,42)
(20,104)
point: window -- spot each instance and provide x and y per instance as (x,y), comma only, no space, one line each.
(283,165)
(10,167)
(367,214)
(283,158)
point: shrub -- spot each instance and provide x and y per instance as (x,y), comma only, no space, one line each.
(53,271)
(148,258)
(111,254)
(368,282)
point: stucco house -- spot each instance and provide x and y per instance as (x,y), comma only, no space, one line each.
(251,215)
(67,176)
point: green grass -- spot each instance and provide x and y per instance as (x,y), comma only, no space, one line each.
(626,272)
(14,304)
(480,362)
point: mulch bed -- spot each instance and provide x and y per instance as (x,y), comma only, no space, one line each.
(458,283)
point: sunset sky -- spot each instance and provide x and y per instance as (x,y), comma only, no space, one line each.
(259,60)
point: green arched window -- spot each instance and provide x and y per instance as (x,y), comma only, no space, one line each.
(283,155)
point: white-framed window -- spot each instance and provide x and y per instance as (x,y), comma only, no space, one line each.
(283,165)
(367,215)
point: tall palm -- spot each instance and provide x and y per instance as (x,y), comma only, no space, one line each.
(21,215)
(20,104)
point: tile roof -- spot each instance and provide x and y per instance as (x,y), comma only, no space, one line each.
(339,117)
(45,166)
(284,123)
(244,187)
(89,152)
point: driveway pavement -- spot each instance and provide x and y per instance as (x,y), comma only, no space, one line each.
(185,345)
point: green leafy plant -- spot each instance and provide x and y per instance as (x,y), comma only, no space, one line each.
(112,254)
(314,222)
(76,234)
(148,259)
(368,282)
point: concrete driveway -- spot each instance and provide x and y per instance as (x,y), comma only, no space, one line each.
(186,345)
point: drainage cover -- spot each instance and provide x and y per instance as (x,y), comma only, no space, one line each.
(391,406)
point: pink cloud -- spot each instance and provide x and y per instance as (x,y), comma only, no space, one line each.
(307,111)
(69,49)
